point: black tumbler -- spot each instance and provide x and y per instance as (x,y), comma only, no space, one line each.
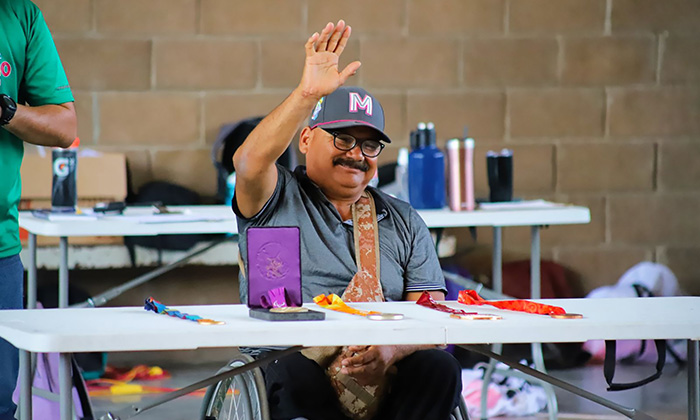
(499,171)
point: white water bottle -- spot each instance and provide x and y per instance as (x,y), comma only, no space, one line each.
(401,175)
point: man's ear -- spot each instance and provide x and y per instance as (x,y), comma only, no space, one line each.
(305,140)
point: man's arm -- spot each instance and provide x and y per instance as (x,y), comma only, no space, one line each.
(435,294)
(45,125)
(256,175)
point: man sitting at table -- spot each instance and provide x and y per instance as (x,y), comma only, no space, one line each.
(341,144)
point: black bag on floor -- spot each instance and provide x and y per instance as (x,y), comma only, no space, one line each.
(167,194)
(231,136)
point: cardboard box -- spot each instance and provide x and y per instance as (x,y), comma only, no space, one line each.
(99,178)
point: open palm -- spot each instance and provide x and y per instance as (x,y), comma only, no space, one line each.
(321,74)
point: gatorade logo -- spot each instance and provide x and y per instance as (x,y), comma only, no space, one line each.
(60,167)
(357,103)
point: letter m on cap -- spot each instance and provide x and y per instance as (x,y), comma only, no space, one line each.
(357,103)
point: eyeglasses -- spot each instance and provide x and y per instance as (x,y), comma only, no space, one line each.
(346,142)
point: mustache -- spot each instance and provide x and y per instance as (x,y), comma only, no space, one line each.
(360,165)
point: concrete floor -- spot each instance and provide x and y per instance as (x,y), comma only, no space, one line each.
(665,399)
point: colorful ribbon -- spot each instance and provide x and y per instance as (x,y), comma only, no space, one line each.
(470,297)
(276,298)
(157,307)
(426,300)
(335,303)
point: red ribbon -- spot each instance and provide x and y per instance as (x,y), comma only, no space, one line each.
(470,297)
(426,300)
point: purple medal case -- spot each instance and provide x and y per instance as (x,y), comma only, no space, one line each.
(274,260)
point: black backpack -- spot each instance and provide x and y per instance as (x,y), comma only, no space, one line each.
(230,138)
(167,194)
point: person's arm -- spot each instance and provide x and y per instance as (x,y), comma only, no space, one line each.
(256,174)
(45,125)
(435,294)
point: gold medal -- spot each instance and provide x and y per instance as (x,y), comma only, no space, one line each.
(567,316)
(209,322)
(476,317)
(289,309)
(385,317)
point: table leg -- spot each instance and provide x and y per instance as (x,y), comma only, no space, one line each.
(31,273)
(693,380)
(496,348)
(497,260)
(535,293)
(552,404)
(65,369)
(535,259)
(63,274)
(25,379)
(497,286)
(25,357)
(65,386)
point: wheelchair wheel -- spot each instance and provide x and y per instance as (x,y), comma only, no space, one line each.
(241,397)
(460,412)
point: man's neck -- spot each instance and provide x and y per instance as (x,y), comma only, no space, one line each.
(344,205)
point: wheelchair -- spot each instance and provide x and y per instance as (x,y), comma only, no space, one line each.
(243,396)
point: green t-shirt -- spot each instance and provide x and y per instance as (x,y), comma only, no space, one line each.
(31,73)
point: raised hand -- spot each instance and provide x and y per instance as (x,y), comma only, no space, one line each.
(321,74)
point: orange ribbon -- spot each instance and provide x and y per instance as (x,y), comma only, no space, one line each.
(470,297)
(335,303)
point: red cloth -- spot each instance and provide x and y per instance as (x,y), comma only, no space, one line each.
(470,297)
(426,300)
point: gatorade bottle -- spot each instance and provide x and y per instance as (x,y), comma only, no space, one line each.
(64,189)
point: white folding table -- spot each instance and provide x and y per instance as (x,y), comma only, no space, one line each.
(210,219)
(133,329)
(220,219)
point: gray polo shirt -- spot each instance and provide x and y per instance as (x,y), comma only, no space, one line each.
(408,262)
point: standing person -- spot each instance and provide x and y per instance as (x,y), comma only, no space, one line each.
(36,106)
(341,143)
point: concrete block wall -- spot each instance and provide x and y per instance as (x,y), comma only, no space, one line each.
(599,99)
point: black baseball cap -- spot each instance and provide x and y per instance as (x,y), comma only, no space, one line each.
(349,106)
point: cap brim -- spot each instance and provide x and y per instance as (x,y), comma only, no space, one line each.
(353,123)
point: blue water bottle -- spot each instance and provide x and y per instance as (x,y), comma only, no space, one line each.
(426,170)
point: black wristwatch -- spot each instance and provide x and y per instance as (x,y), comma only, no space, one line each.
(9,107)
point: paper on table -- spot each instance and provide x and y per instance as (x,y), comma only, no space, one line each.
(166,218)
(519,205)
(47,214)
